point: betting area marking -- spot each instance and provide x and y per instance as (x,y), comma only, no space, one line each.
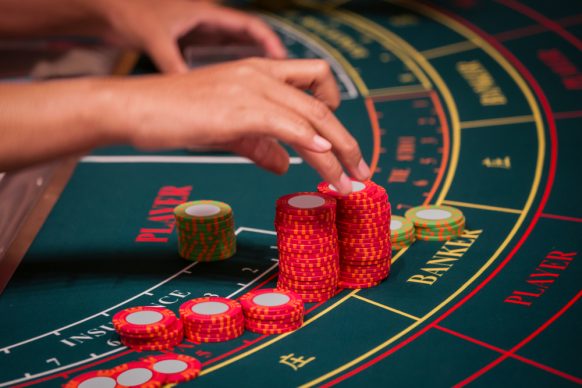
(67,332)
(176,159)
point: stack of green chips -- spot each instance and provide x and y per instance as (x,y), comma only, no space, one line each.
(205,230)
(401,232)
(436,222)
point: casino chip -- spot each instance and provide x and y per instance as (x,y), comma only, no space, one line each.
(205,230)
(401,232)
(175,368)
(272,311)
(138,374)
(212,319)
(148,328)
(94,379)
(436,223)
(307,243)
(363,226)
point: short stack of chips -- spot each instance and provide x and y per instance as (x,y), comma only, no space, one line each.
(205,230)
(175,368)
(363,225)
(436,223)
(212,319)
(272,311)
(152,372)
(146,328)
(307,242)
(401,232)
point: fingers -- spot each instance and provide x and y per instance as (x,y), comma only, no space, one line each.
(266,118)
(345,147)
(165,53)
(237,22)
(264,35)
(265,152)
(307,74)
(328,168)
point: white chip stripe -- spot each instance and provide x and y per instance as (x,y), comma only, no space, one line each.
(356,186)
(99,382)
(135,376)
(170,366)
(306,201)
(395,224)
(144,317)
(434,214)
(210,308)
(271,299)
(202,210)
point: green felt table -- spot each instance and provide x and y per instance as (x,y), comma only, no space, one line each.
(474,104)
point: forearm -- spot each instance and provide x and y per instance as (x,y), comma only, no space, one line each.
(44,121)
(27,18)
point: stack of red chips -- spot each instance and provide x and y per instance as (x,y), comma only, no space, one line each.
(272,311)
(363,225)
(151,372)
(148,328)
(212,319)
(307,242)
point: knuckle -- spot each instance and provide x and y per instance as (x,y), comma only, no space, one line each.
(350,150)
(322,67)
(319,109)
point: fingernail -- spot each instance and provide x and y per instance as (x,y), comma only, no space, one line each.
(364,170)
(345,184)
(321,144)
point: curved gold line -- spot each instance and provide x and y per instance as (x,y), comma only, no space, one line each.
(352,72)
(390,39)
(453,24)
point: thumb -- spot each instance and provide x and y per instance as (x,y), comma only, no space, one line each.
(165,53)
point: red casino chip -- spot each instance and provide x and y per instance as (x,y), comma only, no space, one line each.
(210,309)
(306,204)
(96,378)
(143,320)
(138,374)
(176,368)
(270,300)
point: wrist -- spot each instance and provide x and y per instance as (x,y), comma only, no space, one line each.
(106,112)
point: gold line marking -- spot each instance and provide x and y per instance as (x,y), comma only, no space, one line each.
(482,207)
(398,255)
(358,81)
(277,338)
(535,184)
(397,90)
(497,121)
(382,306)
(449,49)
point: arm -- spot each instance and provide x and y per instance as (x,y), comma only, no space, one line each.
(153,26)
(246,107)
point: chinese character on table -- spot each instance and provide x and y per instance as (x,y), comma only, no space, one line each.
(295,362)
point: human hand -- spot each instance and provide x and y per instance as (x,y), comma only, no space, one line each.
(246,107)
(155,27)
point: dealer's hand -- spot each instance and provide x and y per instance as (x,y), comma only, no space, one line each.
(155,26)
(246,107)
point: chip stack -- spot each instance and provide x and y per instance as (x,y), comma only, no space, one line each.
(138,374)
(436,223)
(307,242)
(401,232)
(212,319)
(363,225)
(205,230)
(150,372)
(175,368)
(272,311)
(148,328)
